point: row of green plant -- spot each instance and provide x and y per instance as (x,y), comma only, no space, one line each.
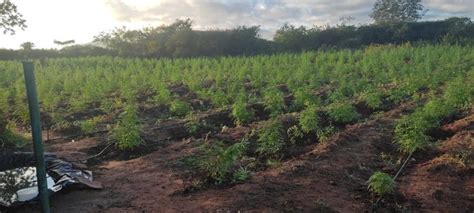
(373,75)
(412,131)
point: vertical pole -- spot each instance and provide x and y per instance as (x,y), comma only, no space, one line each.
(36,132)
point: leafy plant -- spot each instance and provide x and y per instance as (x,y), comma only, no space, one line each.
(163,95)
(343,112)
(218,161)
(193,124)
(127,130)
(324,133)
(10,138)
(294,134)
(303,97)
(274,102)
(372,98)
(241,175)
(309,119)
(270,138)
(180,108)
(241,114)
(88,126)
(381,183)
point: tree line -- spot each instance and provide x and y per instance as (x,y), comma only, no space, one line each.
(180,40)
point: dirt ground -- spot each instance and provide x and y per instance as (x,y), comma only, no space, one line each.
(327,177)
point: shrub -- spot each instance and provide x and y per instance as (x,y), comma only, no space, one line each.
(372,98)
(241,175)
(274,102)
(88,126)
(410,133)
(180,108)
(220,99)
(343,112)
(241,114)
(193,124)
(324,133)
(294,134)
(127,131)
(9,138)
(270,138)
(309,120)
(163,95)
(381,183)
(218,161)
(303,97)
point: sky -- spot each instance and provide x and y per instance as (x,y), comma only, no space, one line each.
(81,20)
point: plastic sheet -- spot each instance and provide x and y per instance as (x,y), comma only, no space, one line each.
(18,184)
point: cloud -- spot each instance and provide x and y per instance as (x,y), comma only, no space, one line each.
(270,14)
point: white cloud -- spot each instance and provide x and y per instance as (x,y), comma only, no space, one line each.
(82,19)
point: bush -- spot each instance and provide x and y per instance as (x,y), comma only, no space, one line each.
(294,134)
(8,138)
(309,120)
(180,108)
(381,183)
(88,126)
(163,95)
(274,102)
(343,112)
(127,131)
(218,161)
(193,124)
(270,138)
(372,98)
(241,175)
(303,97)
(324,133)
(241,114)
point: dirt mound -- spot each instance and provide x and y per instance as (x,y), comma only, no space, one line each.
(446,182)
(330,177)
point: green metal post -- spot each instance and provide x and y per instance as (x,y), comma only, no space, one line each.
(33,105)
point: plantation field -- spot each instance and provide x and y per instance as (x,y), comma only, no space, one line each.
(315,131)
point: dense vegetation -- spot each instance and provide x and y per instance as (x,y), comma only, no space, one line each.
(325,89)
(180,40)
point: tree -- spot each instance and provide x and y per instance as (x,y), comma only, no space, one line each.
(10,18)
(390,11)
(27,45)
(291,38)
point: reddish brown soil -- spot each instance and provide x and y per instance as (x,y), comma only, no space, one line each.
(330,177)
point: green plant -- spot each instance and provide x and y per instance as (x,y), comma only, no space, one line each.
(241,114)
(372,98)
(220,99)
(180,108)
(193,124)
(303,97)
(324,133)
(274,102)
(309,119)
(10,138)
(381,183)
(88,126)
(241,175)
(294,134)
(163,95)
(410,133)
(343,112)
(217,160)
(127,130)
(270,138)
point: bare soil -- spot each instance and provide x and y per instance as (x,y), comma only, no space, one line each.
(320,177)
